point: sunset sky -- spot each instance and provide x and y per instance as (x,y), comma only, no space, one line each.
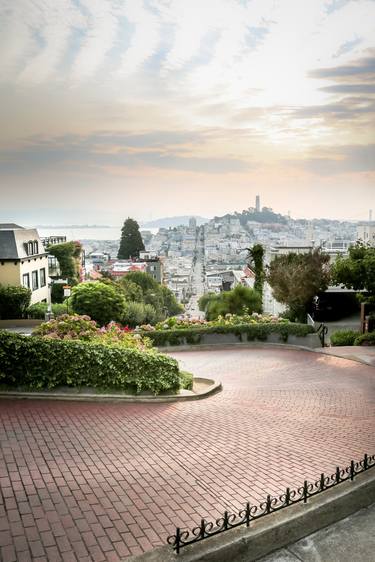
(152,108)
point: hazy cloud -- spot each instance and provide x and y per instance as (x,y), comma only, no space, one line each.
(345,159)
(124,150)
(363,68)
(349,89)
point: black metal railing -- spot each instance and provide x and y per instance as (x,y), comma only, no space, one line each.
(322,331)
(250,513)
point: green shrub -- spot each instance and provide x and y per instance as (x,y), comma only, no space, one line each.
(45,363)
(14,301)
(343,337)
(186,380)
(159,296)
(101,301)
(38,310)
(240,300)
(365,339)
(244,332)
(57,293)
(137,313)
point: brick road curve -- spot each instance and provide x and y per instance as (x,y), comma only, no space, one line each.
(98,482)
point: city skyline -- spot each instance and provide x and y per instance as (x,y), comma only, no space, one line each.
(160,108)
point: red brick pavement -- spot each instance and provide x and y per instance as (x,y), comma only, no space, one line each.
(91,482)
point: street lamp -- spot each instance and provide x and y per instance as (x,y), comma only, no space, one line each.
(49,314)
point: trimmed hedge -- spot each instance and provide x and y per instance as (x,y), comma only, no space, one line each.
(244,332)
(187,380)
(343,337)
(38,310)
(44,363)
(14,301)
(366,339)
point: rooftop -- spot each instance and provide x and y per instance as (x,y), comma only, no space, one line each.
(10,226)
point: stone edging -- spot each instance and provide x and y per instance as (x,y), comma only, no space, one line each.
(262,345)
(355,358)
(213,346)
(91,397)
(277,530)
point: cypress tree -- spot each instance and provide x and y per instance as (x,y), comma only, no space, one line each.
(255,256)
(131,242)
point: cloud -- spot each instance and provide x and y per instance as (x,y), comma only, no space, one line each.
(106,150)
(346,108)
(335,5)
(99,33)
(363,69)
(349,89)
(344,159)
(347,47)
(144,40)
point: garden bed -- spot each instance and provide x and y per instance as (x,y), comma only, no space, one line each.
(200,388)
(40,363)
(287,333)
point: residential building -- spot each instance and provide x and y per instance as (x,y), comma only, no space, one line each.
(154,265)
(366,232)
(23,260)
(123,267)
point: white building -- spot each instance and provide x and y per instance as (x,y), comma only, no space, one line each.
(23,260)
(366,232)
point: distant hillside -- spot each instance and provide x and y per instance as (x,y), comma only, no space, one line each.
(168,222)
(266,215)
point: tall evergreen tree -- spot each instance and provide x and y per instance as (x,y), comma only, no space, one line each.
(255,257)
(131,242)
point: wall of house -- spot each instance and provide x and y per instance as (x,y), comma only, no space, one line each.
(10,273)
(30,265)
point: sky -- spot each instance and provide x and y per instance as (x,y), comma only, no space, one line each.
(154,108)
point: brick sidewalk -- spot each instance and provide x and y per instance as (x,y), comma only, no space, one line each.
(98,482)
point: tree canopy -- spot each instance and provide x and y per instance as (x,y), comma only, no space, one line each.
(68,255)
(131,242)
(357,271)
(159,296)
(296,278)
(14,301)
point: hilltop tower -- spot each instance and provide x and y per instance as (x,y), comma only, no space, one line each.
(257,204)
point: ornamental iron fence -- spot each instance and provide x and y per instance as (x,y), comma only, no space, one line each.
(322,332)
(272,504)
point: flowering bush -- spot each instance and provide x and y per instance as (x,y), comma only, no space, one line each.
(181,323)
(69,327)
(114,333)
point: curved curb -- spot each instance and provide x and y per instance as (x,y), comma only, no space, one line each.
(355,358)
(276,530)
(263,345)
(89,397)
(213,346)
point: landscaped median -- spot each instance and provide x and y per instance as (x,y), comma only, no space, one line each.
(38,363)
(207,334)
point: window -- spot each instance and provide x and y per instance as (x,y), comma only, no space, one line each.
(42,277)
(26,280)
(34,276)
(29,248)
(36,249)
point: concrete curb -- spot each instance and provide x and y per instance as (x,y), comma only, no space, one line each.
(262,345)
(87,397)
(212,346)
(277,530)
(355,358)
